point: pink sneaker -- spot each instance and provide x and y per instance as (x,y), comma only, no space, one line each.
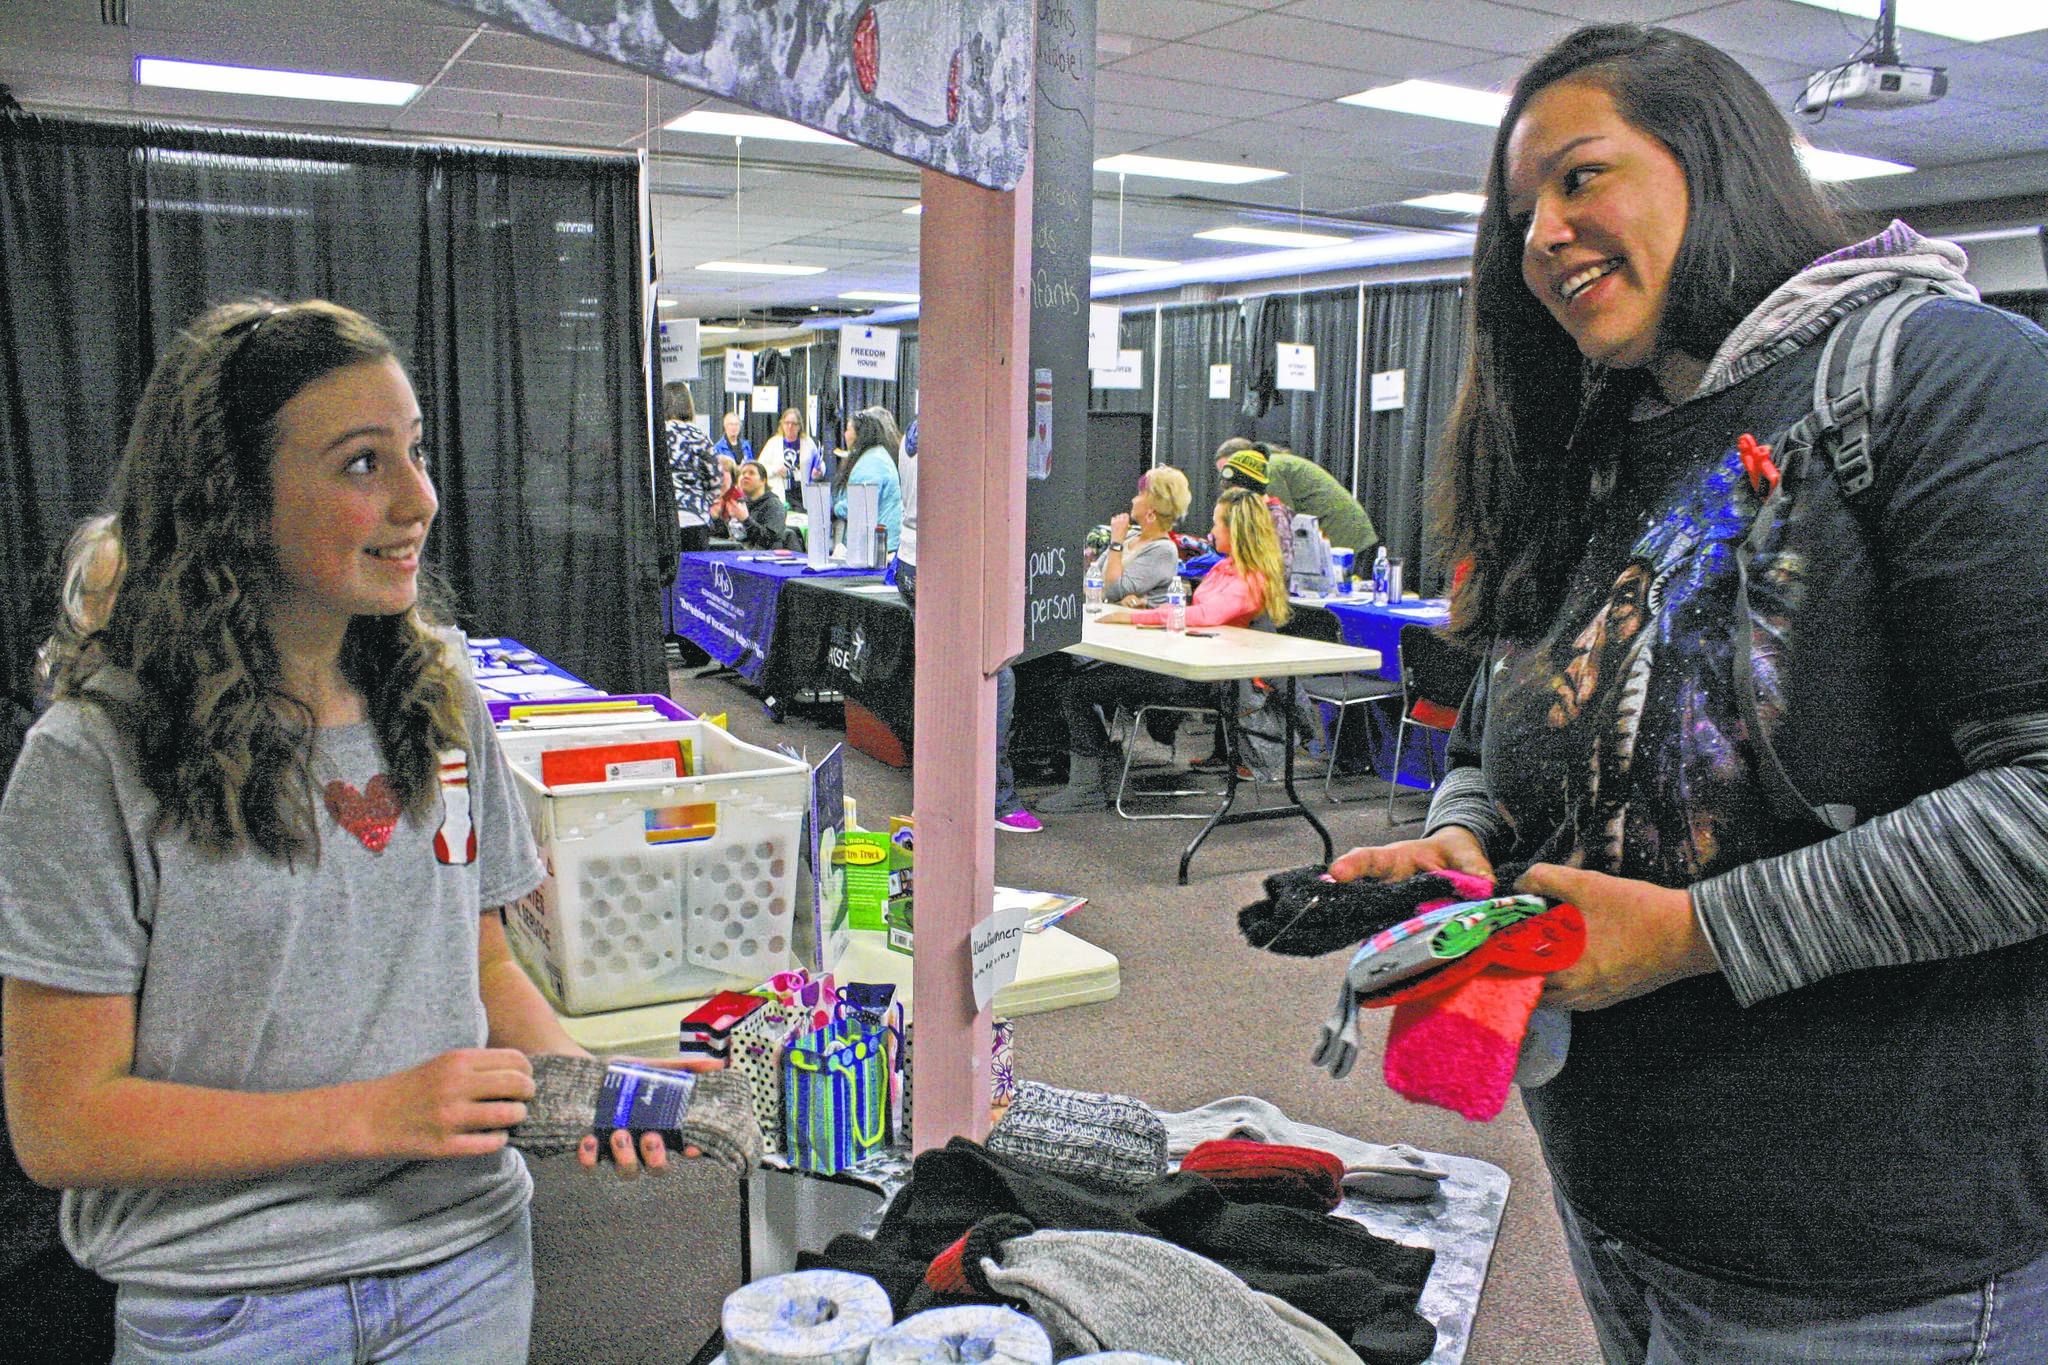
(1019,821)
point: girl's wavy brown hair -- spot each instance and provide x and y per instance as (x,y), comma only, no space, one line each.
(224,748)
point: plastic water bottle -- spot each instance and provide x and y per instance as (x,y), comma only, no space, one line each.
(1380,575)
(1091,585)
(1176,605)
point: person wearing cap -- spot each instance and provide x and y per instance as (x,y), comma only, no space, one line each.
(1304,487)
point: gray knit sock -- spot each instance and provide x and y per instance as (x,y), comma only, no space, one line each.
(1116,1291)
(719,1121)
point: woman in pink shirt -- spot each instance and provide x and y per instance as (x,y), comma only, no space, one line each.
(1247,584)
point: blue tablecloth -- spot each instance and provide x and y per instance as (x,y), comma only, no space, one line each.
(723,601)
(1371,627)
(508,671)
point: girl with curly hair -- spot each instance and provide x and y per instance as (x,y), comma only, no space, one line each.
(262,1026)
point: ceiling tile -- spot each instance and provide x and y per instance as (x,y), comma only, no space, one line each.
(1162,18)
(1370,54)
(1485,24)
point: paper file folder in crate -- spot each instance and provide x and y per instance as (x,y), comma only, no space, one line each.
(659,888)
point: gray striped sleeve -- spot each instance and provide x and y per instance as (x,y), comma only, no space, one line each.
(1957,871)
(1463,798)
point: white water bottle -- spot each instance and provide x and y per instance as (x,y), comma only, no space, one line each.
(1091,583)
(1380,573)
(1176,605)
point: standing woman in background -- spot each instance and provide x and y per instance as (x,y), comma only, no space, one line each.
(692,469)
(262,1024)
(789,449)
(872,443)
(1759,721)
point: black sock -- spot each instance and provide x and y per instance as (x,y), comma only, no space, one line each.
(1305,916)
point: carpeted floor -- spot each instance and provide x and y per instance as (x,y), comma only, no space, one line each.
(632,1274)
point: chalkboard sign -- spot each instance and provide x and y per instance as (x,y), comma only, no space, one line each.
(1057,515)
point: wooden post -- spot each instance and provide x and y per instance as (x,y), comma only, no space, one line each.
(973,332)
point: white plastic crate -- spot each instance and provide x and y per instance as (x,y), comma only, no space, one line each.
(624,919)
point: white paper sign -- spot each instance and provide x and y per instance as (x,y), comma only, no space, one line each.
(1128,372)
(1389,390)
(867,352)
(811,415)
(739,370)
(766,397)
(1102,335)
(1296,368)
(679,350)
(1219,381)
(994,945)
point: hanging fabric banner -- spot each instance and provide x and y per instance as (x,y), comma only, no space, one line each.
(940,83)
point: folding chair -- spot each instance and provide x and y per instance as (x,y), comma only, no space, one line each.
(1340,690)
(1435,676)
(1216,711)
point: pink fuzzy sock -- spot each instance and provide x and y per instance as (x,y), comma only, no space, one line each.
(1458,1048)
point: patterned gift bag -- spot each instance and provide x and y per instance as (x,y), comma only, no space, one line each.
(1002,1076)
(835,1109)
(758,1042)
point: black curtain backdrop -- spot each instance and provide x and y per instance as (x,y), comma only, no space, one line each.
(1134,332)
(2031,304)
(1419,328)
(509,281)
(1191,424)
(1319,424)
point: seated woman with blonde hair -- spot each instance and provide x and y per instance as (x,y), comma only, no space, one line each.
(1136,569)
(1246,585)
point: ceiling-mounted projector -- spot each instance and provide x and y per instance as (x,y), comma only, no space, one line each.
(1872,85)
(1880,81)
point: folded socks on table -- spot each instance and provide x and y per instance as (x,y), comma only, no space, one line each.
(718,1119)
(1305,914)
(1373,1169)
(1269,1173)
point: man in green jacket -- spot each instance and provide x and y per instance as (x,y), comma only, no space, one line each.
(1305,489)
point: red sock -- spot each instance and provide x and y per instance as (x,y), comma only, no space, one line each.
(1269,1173)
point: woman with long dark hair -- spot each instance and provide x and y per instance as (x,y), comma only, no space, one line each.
(872,446)
(1761,723)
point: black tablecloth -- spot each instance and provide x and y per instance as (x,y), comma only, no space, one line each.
(829,636)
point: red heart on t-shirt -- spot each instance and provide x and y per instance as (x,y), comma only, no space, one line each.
(370,814)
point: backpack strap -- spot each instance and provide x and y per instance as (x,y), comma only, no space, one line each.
(1852,388)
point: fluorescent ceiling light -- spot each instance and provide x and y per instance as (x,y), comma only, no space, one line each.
(1253,236)
(1128,263)
(1169,168)
(1835,166)
(1380,249)
(717,124)
(1471,205)
(760,268)
(1973,21)
(255,80)
(915,210)
(1431,99)
(879,296)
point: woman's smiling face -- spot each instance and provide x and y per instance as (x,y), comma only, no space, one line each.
(1602,208)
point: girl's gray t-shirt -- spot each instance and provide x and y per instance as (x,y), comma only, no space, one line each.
(256,976)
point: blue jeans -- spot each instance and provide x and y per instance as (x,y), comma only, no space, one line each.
(475,1308)
(1647,1311)
(1006,702)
